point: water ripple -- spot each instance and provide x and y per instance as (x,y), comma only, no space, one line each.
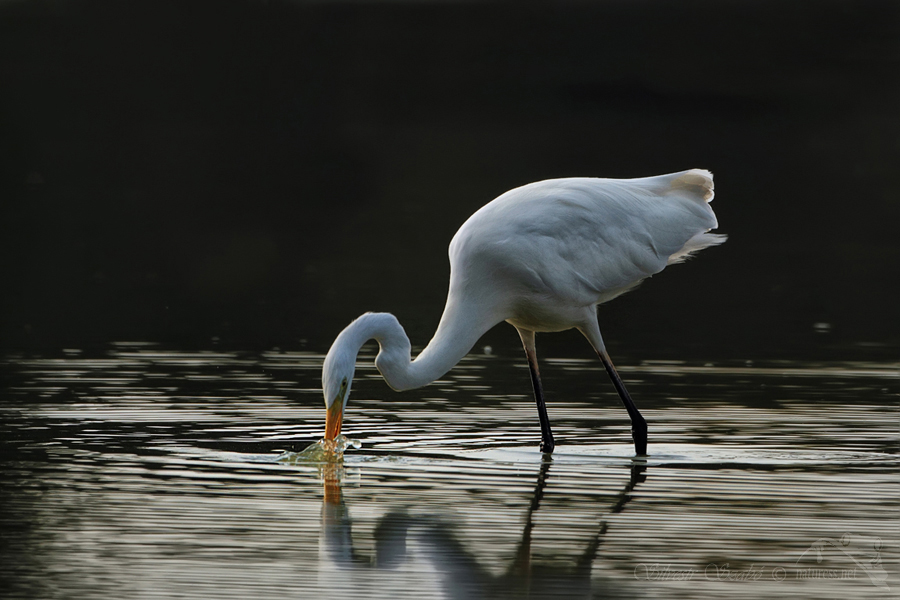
(150,472)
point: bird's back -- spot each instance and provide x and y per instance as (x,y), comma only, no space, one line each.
(581,241)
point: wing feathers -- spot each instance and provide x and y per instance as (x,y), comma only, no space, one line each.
(695,244)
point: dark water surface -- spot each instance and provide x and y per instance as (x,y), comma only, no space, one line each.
(144,472)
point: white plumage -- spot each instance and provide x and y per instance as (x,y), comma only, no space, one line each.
(541,257)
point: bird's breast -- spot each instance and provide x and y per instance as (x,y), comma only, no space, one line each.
(547,315)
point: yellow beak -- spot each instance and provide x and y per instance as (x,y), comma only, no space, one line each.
(333,419)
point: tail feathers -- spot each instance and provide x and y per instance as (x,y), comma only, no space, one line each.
(695,244)
(696,182)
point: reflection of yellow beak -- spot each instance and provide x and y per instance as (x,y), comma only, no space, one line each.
(333,419)
(332,475)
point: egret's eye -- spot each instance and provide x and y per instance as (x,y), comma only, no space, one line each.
(343,386)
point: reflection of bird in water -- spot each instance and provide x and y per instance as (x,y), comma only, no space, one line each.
(541,257)
(462,575)
(337,527)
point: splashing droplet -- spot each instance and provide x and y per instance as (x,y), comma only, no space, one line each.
(323,451)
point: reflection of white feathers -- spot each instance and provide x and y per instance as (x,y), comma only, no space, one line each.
(424,550)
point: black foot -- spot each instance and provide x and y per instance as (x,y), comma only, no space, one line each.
(640,448)
(639,435)
(547,446)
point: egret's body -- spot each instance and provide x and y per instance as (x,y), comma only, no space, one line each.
(541,257)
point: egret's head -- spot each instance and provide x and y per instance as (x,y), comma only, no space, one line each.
(337,375)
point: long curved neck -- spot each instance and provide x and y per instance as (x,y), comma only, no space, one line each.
(456,334)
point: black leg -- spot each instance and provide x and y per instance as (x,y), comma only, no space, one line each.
(638,424)
(547,443)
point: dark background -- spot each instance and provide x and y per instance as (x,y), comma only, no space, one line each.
(257,174)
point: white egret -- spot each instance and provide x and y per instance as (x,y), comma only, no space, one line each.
(540,257)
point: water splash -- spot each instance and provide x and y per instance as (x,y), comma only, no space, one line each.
(323,451)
